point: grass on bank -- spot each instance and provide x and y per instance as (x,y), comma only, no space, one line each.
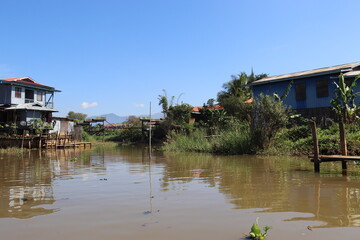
(228,142)
(296,140)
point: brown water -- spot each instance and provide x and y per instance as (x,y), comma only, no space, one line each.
(117,193)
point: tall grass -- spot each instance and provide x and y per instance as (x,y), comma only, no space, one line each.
(193,142)
(224,142)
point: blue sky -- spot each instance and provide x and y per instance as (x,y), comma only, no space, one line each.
(116,56)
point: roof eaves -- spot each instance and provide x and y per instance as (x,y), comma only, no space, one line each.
(296,77)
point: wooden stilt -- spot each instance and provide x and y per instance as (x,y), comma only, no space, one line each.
(343,146)
(316,147)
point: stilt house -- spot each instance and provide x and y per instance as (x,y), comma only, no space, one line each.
(23,99)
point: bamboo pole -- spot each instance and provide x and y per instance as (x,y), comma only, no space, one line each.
(316,147)
(150,133)
(344,151)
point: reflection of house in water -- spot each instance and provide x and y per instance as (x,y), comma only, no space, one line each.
(25,185)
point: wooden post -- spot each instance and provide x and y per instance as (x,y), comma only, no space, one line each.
(343,145)
(316,147)
(22,141)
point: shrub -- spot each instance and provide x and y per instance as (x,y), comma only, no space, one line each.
(269,116)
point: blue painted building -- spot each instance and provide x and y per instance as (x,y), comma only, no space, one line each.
(311,90)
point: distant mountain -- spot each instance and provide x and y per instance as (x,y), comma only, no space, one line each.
(113,118)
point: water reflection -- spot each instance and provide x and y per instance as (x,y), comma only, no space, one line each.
(273,184)
(25,184)
(265,184)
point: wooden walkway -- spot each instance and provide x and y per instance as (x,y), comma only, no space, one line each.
(334,158)
(69,145)
(316,158)
(62,141)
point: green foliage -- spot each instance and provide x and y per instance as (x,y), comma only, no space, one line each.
(76,116)
(194,142)
(38,125)
(232,141)
(344,99)
(133,121)
(126,136)
(179,114)
(269,116)
(256,233)
(87,137)
(166,103)
(236,107)
(213,119)
(237,86)
(236,93)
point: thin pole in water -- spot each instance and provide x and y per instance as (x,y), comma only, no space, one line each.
(150,133)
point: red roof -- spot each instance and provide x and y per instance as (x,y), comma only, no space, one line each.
(25,80)
(215,107)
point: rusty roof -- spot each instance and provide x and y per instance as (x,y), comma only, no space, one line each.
(309,73)
(215,107)
(27,81)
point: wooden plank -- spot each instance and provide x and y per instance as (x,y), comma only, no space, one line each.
(330,158)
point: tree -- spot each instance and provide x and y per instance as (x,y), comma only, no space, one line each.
(269,116)
(179,114)
(344,105)
(344,100)
(237,87)
(165,102)
(236,92)
(133,121)
(76,116)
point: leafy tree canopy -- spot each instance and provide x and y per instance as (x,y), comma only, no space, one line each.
(235,93)
(236,87)
(133,121)
(76,116)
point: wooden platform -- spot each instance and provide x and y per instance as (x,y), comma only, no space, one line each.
(70,145)
(334,158)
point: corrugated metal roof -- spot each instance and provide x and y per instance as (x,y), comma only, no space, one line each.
(352,74)
(309,73)
(31,106)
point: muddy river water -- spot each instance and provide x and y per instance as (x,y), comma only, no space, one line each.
(113,193)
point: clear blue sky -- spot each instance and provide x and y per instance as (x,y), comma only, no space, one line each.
(117,55)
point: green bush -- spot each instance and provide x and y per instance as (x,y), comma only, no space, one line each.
(269,116)
(126,136)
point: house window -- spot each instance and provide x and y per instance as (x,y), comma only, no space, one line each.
(17,92)
(39,96)
(29,96)
(300,91)
(322,88)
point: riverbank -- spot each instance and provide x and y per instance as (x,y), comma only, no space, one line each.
(293,141)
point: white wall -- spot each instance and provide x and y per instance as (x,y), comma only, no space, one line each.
(15,100)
